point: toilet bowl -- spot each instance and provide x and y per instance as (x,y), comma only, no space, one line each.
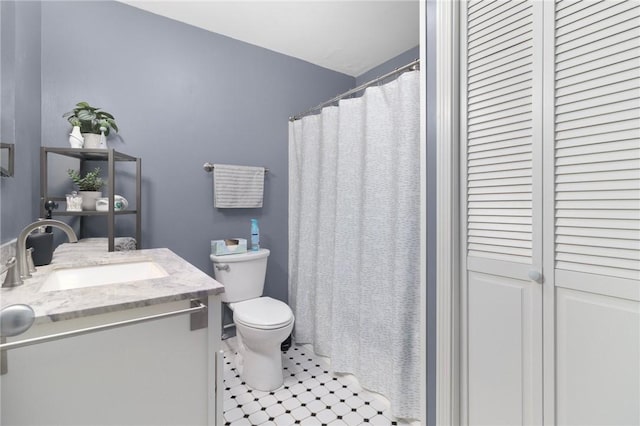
(262,323)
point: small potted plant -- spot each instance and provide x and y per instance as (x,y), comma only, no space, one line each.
(93,123)
(89,186)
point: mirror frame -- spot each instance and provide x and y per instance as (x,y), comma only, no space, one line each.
(7,149)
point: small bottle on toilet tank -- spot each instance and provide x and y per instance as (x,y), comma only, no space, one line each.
(255,235)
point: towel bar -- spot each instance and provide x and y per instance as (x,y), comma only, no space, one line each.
(208,167)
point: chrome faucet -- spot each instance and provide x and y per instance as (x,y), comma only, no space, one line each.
(21,252)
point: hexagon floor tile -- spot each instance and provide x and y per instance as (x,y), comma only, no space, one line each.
(311,395)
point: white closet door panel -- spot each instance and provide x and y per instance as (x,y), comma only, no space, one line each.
(598,348)
(501,344)
(501,134)
(574,7)
(597,186)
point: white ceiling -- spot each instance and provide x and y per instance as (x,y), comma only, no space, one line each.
(348,36)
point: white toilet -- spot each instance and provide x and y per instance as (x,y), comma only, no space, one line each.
(262,323)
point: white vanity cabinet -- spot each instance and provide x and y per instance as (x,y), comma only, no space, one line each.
(157,372)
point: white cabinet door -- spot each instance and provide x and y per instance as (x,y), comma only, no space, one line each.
(502,202)
(593,250)
(152,373)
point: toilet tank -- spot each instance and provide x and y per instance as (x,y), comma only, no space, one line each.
(241,274)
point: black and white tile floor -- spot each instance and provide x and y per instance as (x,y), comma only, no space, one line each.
(311,395)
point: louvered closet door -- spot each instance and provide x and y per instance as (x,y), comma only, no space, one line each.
(596,211)
(501,148)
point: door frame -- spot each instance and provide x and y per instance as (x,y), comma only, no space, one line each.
(448,320)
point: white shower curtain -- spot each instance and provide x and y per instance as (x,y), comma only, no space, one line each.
(354,235)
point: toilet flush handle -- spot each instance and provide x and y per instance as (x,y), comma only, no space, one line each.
(222,267)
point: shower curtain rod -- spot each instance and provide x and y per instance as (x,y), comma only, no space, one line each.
(409,67)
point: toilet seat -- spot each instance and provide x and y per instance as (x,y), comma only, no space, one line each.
(263,313)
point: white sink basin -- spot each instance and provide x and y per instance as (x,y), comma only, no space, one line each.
(91,276)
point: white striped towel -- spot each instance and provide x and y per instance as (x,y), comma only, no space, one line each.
(237,186)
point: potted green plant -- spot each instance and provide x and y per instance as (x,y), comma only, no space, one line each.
(93,123)
(89,186)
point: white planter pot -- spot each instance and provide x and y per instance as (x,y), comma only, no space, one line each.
(91,141)
(89,199)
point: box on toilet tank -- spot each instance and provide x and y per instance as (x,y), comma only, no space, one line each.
(228,246)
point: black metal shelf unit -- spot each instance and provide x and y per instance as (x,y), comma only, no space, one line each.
(110,156)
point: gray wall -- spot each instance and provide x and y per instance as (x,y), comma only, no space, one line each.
(20,112)
(393,63)
(182,96)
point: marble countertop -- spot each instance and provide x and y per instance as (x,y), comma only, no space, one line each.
(184,281)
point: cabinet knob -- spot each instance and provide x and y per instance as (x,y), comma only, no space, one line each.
(535,276)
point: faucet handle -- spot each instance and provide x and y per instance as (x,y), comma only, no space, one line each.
(11,279)
(30,265)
